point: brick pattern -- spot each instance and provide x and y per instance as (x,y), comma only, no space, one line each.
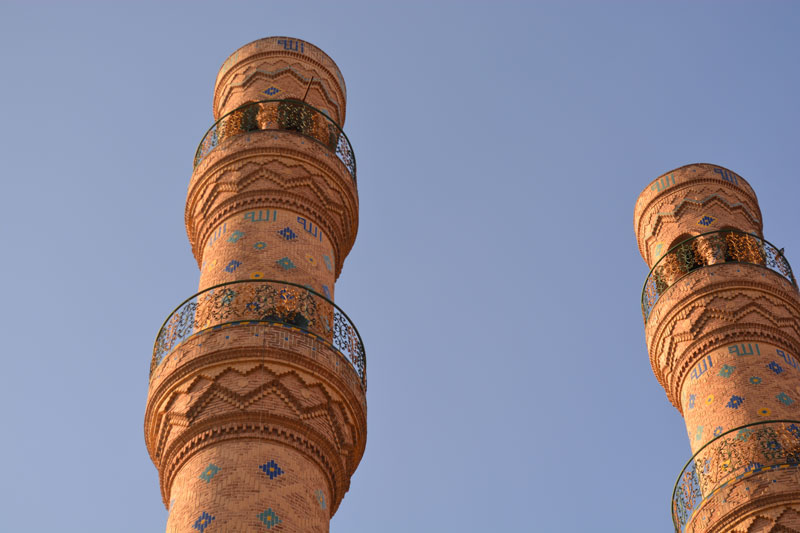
(716,307)
(251,377)
(691,200)
(740,384)
(764,503)
(724,342)
(273,170)
(242,497)
(256,426)
(269,244)
(280,67)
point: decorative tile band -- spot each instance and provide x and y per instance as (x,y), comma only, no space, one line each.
(733,455)
(262,301)
(708,249)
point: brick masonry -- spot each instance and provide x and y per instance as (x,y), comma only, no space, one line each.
(258,424)
(724,340)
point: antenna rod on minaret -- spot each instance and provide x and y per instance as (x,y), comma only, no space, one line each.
(308,88)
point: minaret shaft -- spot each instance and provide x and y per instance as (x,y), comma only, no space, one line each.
(722,322)
(256,414)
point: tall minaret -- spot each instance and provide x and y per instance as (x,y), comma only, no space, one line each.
(256,414)
(722,321)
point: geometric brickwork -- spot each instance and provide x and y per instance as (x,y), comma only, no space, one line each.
(256,411)
(721,310)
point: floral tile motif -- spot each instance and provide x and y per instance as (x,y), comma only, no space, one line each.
(235,236)
(709,399)
(764,411)
(285,263)
(203,522)
(784,399)
(288,234)
(755,380)
(227,296)
(718,431)
(233,265)
(260,245)
(327,263)
(775,367)
(269,518)
(735,402)
(726,370)
(209,472)
(257,275)
(699,434)
(706,221)
(271,469)
(311,261)
(320,498)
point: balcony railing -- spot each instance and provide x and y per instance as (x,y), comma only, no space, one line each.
(708,249)
(280,115)
(737,453)
(260,302)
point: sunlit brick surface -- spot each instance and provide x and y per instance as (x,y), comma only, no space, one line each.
(722,323)
(256,412)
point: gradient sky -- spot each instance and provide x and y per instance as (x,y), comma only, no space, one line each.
(495,280)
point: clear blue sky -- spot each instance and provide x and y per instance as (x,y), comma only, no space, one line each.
(495,279)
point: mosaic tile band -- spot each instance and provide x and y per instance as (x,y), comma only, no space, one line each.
(262,300)
(280,115)
(707,249)
(735,454)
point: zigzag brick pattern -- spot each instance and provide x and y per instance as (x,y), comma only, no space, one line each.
(256,412)
(722,323)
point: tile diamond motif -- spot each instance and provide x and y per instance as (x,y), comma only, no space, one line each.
(269,518)
(775,367)
(272,91)
(285,263)
(784,399)
(735,402)
(233,265)
(271,469)
(203,522)
(706,221)
(209,472)
(288,234)
(726,371)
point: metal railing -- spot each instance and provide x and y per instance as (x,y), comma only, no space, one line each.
(280,115)
(747,450)
(708,249)
(258,302)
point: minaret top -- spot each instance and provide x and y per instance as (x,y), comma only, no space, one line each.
(691,200)
(276,68)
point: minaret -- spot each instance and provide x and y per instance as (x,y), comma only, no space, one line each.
(722,321)
(256,412)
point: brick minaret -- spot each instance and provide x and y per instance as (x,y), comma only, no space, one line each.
(256,413)
(722,321)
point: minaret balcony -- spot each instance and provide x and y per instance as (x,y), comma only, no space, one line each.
(280,115)
(707,250)
(262,302)
(743,454)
